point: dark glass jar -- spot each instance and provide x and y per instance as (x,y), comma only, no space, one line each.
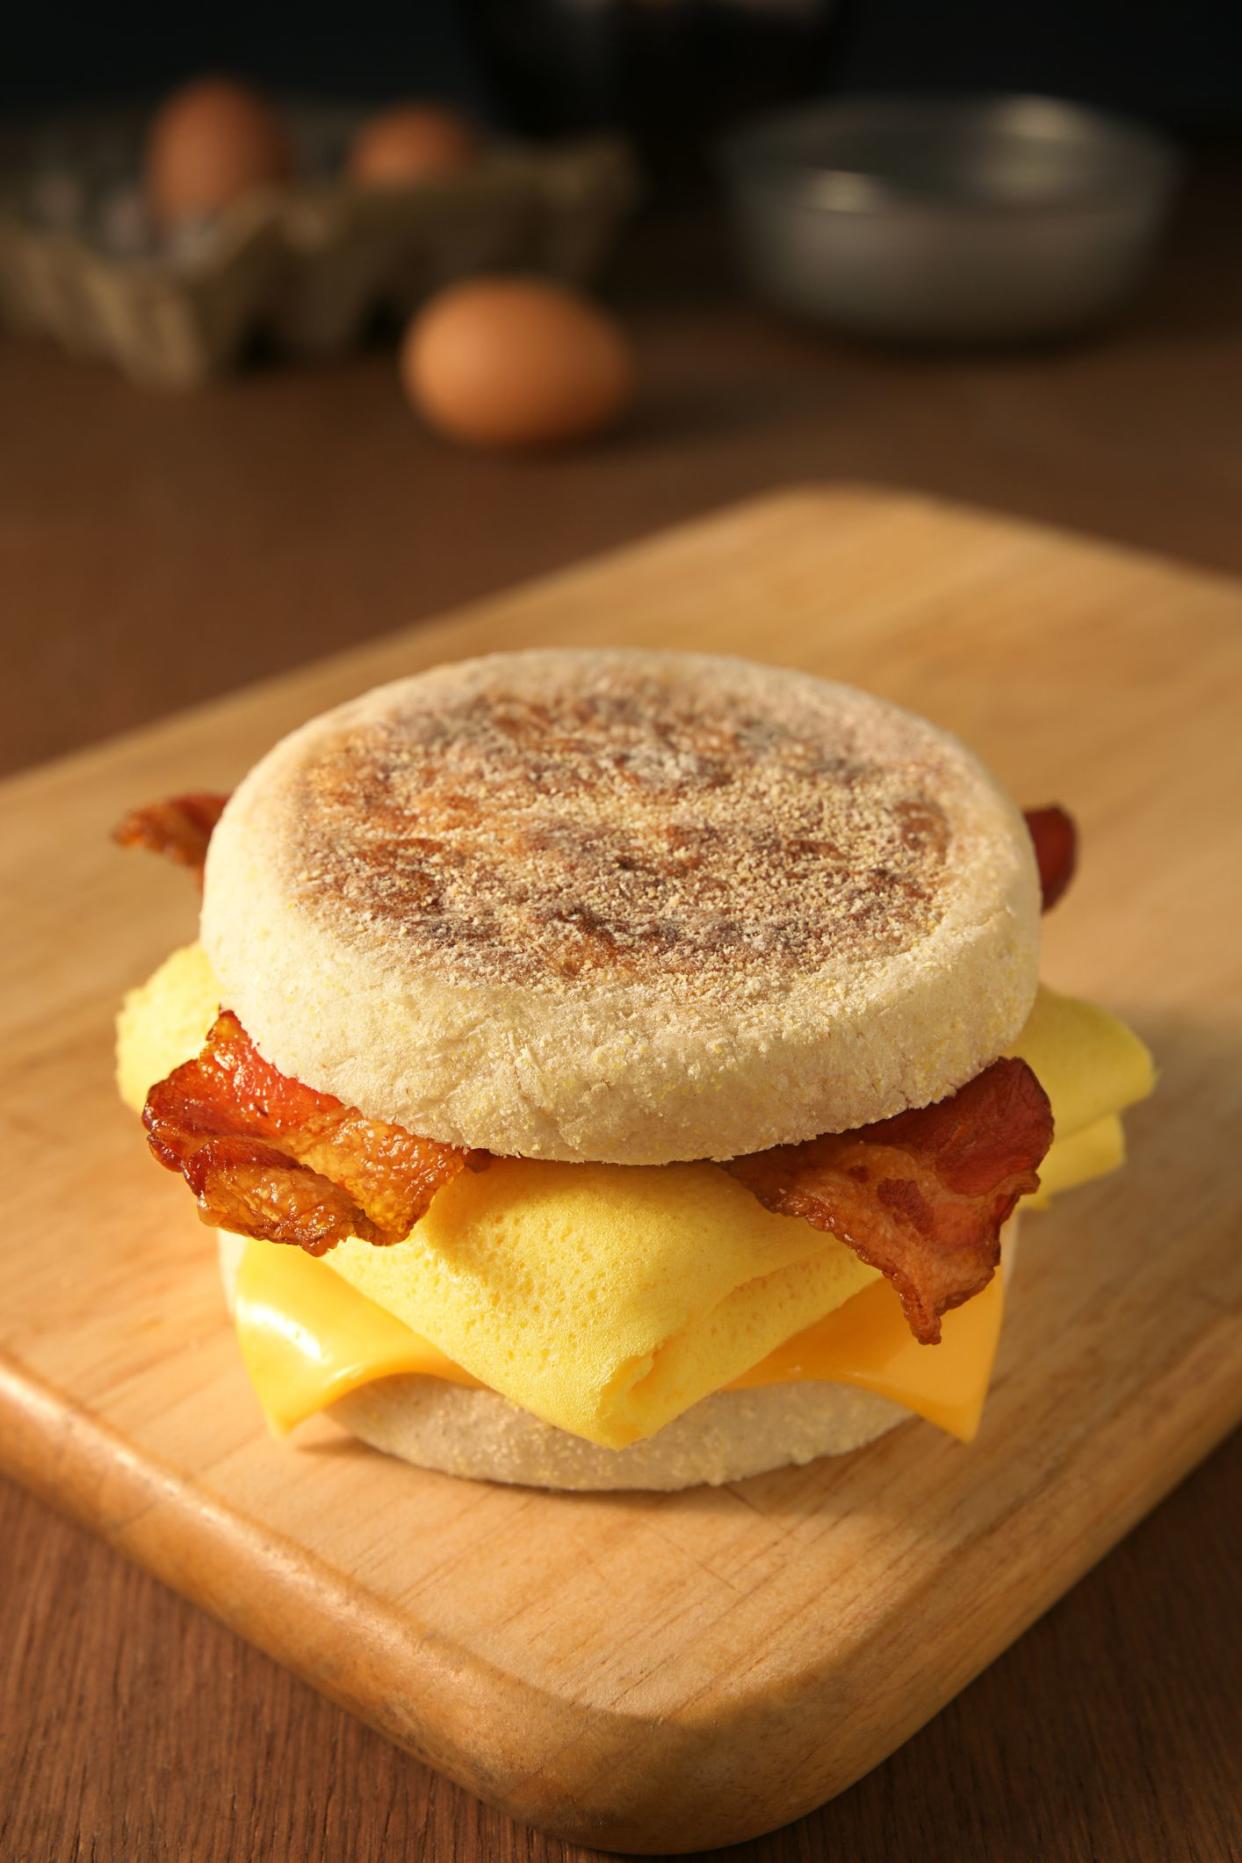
(671,74)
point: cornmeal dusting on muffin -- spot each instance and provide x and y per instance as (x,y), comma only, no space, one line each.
(628,822)
(623,906)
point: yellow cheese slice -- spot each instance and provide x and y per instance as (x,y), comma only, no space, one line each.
(308,1337)
(868,1343)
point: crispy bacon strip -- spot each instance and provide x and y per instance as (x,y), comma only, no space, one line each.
(267,1156)
(921,1196)
(1055,834)
(179,828)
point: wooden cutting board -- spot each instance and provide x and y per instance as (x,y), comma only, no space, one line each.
(669,1673)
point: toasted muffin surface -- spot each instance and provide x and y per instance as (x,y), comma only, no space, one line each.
(623,906)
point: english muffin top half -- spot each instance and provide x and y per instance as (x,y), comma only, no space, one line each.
(623,906)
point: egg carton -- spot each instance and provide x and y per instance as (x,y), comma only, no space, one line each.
(305,269)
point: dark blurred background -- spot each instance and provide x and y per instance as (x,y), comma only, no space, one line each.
(1180,64)
(199,505)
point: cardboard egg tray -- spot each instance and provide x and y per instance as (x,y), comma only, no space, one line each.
(305,269)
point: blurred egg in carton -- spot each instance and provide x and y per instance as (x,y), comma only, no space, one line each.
(164,243)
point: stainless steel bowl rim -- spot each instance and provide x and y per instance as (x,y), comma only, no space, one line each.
(762,154)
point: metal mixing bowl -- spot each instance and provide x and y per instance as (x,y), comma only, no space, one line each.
(986,219)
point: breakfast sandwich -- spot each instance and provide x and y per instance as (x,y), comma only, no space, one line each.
(619,1069)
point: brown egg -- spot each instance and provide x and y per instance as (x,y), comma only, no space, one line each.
(411,142)
(211,143)
(512,362)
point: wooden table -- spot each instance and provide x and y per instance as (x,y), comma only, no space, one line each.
(155,551)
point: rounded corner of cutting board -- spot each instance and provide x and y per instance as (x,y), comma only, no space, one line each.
(667,1785)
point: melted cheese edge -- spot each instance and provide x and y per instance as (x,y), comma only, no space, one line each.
(609,1299)
(309,1338)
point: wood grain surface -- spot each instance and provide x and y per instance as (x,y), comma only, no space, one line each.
(141,1729)
(766,1643)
